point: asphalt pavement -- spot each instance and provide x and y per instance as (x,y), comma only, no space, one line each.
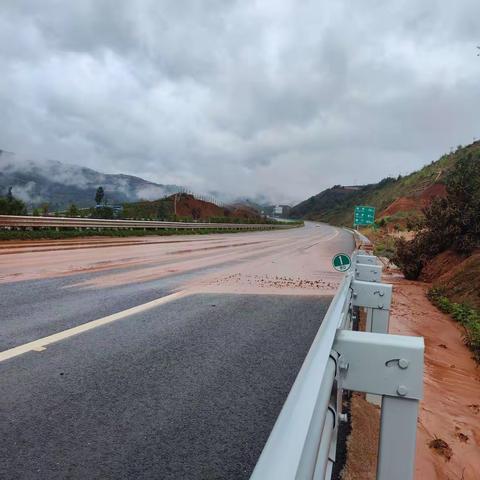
(186,390)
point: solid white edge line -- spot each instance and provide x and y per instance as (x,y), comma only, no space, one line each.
(40,344)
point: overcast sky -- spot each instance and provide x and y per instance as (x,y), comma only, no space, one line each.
(282,98)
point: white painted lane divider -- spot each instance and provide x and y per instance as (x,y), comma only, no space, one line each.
(40,344)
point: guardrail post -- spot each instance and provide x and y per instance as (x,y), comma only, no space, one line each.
(376,298)
(390,366)
(398,429)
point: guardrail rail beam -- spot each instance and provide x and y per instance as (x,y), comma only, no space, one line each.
(388,368)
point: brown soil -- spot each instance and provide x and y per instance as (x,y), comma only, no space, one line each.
(458,275)
(401,204)
(432,192)
(440,265)
(244,212)
(452,386)
(448,435)
(362,444)
(415,203)
(189,206)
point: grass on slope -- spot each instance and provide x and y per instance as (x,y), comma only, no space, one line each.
(382,194)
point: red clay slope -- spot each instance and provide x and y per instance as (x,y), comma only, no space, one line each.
(416,202)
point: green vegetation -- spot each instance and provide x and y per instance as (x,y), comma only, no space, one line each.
(384,247)
(336,205)
(152,210)
(9,205)
(449,223)
(104,212)
(99,195)
(73,211)
(468,317)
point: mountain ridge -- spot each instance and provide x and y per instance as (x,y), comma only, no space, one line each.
(395,199)
(60,184)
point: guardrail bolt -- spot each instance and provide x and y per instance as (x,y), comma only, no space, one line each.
(403,363)
(343,365)
(402,390)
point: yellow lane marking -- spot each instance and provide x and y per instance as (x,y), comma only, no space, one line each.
(40,344)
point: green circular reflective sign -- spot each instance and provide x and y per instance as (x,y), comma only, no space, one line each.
(341,262)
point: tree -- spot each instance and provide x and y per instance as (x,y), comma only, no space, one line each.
(36,212)
(72,211)
(45,207)
(196,213)
(99,195)
(162,211)
(10,205)
(452,222)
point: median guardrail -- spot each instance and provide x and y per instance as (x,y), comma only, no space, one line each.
(14,221)
(303,442)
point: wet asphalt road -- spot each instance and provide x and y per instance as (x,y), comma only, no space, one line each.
(186,390)
(190,390)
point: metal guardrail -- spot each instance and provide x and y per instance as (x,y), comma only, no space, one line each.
(14,221)
(302,444)
(361,241)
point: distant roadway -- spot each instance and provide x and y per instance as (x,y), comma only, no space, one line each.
(155,357)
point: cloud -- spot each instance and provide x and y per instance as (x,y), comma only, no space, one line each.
(246,98)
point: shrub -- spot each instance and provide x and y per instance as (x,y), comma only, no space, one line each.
(103,211)
(9,205)
(409,257)
(450,222)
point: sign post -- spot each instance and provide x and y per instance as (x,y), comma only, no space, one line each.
(363,215)
(341,262)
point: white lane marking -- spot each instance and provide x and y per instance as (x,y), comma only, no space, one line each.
(40,344)
(337,231)
(323,239)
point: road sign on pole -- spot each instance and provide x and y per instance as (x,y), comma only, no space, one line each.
(341,262)
(363,215)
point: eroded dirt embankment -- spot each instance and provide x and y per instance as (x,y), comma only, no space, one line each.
(448,434)
(450,409)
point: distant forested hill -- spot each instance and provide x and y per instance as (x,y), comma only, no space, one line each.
(60,184)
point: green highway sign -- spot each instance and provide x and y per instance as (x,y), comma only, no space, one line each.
(341,262)
(363,215)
